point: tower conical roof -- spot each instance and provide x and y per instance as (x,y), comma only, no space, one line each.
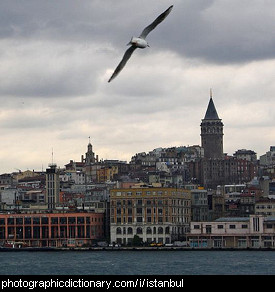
(211,113)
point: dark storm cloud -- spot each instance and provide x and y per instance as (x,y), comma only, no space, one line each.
(223,31)
(56,57)
(217,31)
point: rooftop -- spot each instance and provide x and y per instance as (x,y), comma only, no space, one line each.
(211,113)
(231,219)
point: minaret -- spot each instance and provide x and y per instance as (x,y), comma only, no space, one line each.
(212,132)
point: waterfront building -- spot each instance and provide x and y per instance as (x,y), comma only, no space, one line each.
(51,229)
(159,215)
(254,231)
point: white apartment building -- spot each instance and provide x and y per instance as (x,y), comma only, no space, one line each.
(255,231)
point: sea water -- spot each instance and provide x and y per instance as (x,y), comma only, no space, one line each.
(138,263)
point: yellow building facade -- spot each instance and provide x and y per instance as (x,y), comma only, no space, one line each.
(106,173)
(159,215)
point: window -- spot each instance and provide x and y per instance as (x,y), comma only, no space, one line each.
(232,226)
(19,221)
(10,221)
(36,220)
(45,220)
(71,220)
(244,226)
(54,220)
(139,219)
(63,220)
(220,226)
(197,226)
(139,230)
(256,224)
(160,230)
(28,232)
(27,220)
(208,229)
(148,230)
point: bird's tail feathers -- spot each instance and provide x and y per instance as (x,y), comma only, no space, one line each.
(130,42)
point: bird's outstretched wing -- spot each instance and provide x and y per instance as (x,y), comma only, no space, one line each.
(157,21)
(123,62)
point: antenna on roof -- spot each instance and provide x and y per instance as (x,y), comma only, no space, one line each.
(52,155)
(210,92)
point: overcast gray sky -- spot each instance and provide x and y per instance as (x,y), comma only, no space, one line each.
(56,57)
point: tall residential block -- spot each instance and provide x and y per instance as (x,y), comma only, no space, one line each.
(159,215)
(52,186)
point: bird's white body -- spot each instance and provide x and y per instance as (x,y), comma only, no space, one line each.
(139,42)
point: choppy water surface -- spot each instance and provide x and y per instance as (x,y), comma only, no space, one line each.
(138,263)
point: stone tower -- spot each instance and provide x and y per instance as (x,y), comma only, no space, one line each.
(90,155)
(212,133)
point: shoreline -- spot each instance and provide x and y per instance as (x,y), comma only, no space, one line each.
(174,248)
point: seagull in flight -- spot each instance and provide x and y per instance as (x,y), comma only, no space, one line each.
(139,42)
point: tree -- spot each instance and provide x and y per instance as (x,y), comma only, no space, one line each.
(137,241)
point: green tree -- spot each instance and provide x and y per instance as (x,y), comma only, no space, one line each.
(137,241)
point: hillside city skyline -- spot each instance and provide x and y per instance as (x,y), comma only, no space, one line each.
(53,157)
(159,197)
